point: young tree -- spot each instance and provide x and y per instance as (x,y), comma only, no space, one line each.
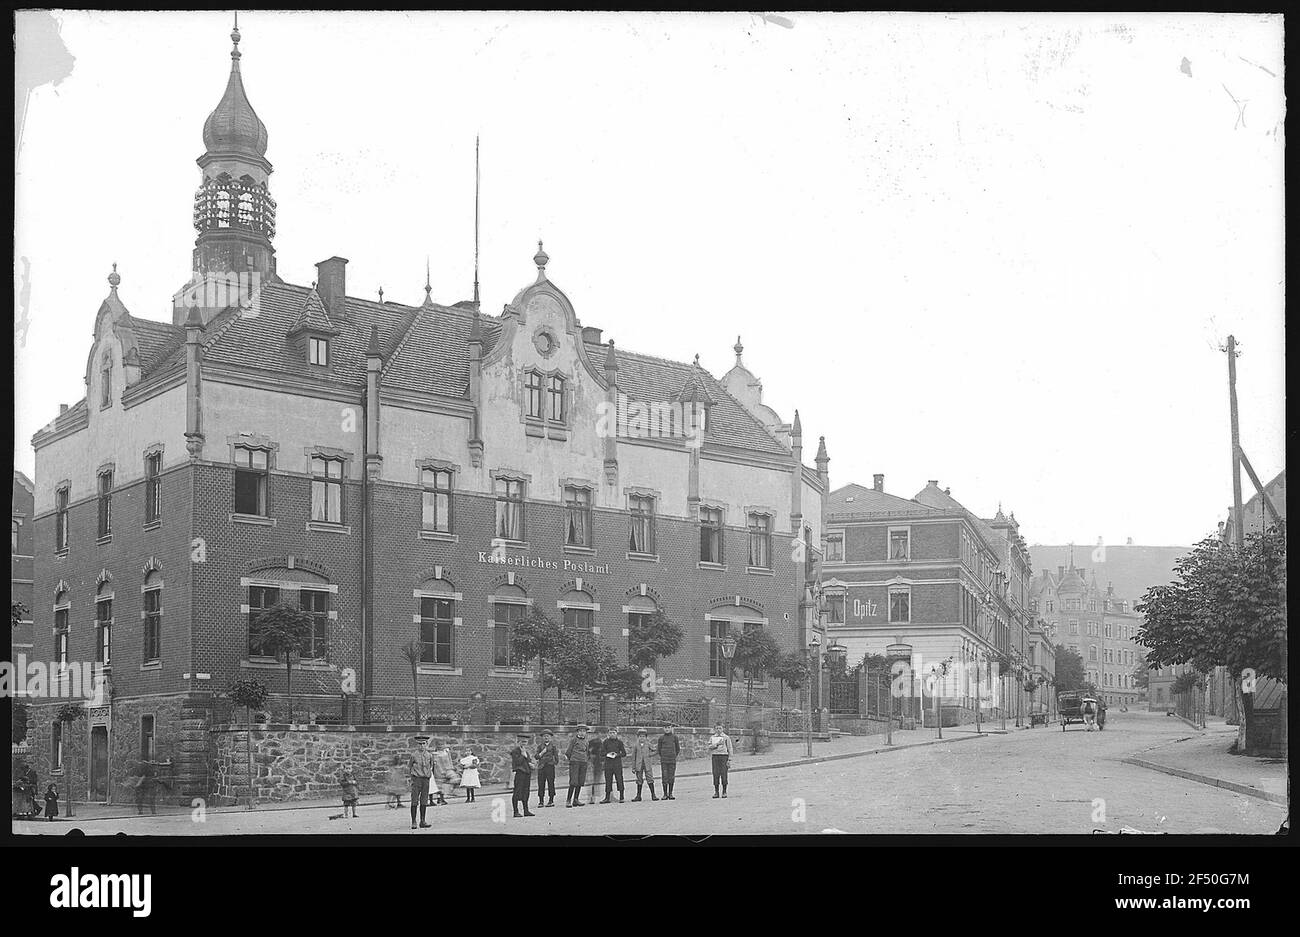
(1225,607)
(282,630)
(17,612)
(251,694)
(67,714)
(411,651)
(756,652)
(651,639)
(791,670)
(581,663)
(536,636)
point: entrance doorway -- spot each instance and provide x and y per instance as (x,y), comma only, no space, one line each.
(99,763)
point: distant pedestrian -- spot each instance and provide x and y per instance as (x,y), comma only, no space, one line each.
(394,785)
(577,756)
(613,751)
(522,764)
(548,756)
(421,772)
(351,794)
(143,776)
(595,761)
(669,748)
(469,780)
(444,773)
(51,802)
(721,748)
(642,768)
(32,782)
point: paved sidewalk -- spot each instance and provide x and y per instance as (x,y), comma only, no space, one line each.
(1203,757)
(782,755)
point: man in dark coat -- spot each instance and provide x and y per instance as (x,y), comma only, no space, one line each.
(669,748)
(613,752)
(522,764)
(548,756)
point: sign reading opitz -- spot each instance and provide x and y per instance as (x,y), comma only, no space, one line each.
(538,562)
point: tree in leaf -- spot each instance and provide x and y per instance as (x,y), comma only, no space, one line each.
(650,638)
(281,631)
(1069,669)
(67,714)
(411,651)
(251,694)
(790,670)
(756,653)
(18,612)
(536,637)
(1226,606)
(581,663)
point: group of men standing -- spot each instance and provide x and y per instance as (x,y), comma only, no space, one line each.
(605,756)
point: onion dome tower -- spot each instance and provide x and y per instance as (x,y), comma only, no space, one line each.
(234,213)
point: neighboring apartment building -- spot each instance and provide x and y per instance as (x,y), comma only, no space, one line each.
(404,473)
(20,563)
(1101,627)
(926,578)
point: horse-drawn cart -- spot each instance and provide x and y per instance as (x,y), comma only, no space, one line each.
(1074,706)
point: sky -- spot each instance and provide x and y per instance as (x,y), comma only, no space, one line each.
(997,250)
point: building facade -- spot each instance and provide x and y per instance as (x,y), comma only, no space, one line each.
(927,580)
(20,563)
(1097,625)
(420,473)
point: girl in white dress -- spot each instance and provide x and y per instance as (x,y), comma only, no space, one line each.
(469,781)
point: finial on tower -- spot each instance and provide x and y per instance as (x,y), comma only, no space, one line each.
(234,37)
(797,428)
(114,279)
(381,294)
(738,349)
(541,258)
(428,286)
(697,360)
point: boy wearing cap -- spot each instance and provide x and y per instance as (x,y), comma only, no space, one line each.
(614,751)
(641,766)
(577,755)
(421,772)
(669,747)
(595,757)
(522,763)
(721,748)
(547,758)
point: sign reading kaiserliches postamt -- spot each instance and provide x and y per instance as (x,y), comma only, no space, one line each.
(541,562)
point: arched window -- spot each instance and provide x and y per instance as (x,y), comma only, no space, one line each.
(245,210)
(436,601)
(106,381)
(151,612)
(223,209)
(577,611)
(104,624)
(639,610)
(61,627)
(509,607)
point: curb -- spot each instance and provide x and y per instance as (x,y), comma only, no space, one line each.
(1211,781)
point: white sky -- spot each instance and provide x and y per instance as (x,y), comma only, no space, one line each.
(995,250)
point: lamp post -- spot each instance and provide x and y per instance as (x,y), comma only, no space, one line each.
(978,665)
(728,652)
(814,670)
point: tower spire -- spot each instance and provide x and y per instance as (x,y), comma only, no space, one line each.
(428,286)
(476,187)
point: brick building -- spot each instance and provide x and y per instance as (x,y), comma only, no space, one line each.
(20,562)
(1092,621)
(406,473)
(926,578)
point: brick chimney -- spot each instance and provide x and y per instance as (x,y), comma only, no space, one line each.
(331,284)
(879,482)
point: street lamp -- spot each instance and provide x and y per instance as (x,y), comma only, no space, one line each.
(728,652)
(814,670)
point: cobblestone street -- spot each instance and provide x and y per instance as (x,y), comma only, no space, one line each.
(1027,781)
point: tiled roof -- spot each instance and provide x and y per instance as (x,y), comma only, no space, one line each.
(646,378)
(425,351)
(859,499)
(936,497)
(312,317)
(154,339)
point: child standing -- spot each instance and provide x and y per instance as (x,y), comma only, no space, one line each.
(51,802)
(350,793)
(394,785)
(469,781)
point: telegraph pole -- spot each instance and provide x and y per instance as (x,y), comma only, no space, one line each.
(1236,539)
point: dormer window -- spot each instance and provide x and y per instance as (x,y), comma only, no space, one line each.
(318,351)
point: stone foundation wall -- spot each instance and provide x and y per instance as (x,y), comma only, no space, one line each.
(305,763)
